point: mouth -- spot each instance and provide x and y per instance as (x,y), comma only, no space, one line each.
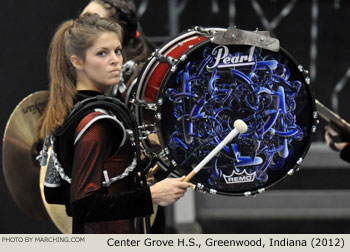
(115,71)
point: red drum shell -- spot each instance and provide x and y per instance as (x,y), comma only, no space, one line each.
(155,79)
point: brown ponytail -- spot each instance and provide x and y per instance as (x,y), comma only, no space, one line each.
(62,86)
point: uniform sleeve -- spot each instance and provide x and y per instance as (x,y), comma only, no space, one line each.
(345,153)
(88,201)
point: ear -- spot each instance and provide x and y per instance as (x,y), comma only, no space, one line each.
(77,62)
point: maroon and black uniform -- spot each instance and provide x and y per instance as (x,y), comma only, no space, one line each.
(95,208)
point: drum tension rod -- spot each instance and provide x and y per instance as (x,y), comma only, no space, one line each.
(143,103)
(145,126)
(145,132)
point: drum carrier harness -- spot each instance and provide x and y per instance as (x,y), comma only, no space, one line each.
(109,107)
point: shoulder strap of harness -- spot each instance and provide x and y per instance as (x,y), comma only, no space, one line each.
(99,102)
(91,118)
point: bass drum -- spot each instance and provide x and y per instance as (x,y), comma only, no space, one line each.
(192,89)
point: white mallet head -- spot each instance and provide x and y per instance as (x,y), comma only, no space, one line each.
(240,126)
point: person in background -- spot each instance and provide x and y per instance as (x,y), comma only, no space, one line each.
(85,60)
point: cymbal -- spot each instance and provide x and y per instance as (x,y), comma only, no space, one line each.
(20,144)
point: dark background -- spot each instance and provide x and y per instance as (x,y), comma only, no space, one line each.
(27,26)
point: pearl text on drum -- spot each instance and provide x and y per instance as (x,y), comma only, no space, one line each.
(224,59)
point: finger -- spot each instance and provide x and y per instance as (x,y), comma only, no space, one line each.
(181,178)
(184,185)
(179,196)
(181,191)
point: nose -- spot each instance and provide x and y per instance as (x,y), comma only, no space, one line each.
(116,58)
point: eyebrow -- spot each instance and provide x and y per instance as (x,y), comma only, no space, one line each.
(106,48)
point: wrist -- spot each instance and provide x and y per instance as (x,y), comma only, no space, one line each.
(154,193)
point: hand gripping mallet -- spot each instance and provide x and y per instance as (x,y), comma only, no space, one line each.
(239,127)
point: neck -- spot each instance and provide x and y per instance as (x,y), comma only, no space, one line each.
(84,83)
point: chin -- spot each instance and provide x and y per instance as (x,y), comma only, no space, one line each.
(114,81)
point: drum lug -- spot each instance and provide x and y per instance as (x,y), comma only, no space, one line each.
(158,116)
(200,188)
(130,133)
(183,57)
(160,101)
(212,191)
(203,31)
(164,156)
(313,129)
(261,190)
(291,172)
(300,160)
(301,69)
(247,194)
(168,59)
(151,106)
(315,116)
(308,80)
(173,68)
(167,151)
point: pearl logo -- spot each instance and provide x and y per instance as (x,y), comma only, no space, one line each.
(223,59)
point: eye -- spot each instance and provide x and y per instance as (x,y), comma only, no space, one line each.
(101,53)
(118,51)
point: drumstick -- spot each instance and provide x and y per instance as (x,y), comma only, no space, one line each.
(153,171)
(239,127)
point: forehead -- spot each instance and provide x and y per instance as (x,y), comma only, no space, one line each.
(96,8)
(106,40)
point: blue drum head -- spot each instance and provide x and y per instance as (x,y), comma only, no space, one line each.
(213,86)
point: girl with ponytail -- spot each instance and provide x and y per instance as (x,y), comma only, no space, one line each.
(94,157)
